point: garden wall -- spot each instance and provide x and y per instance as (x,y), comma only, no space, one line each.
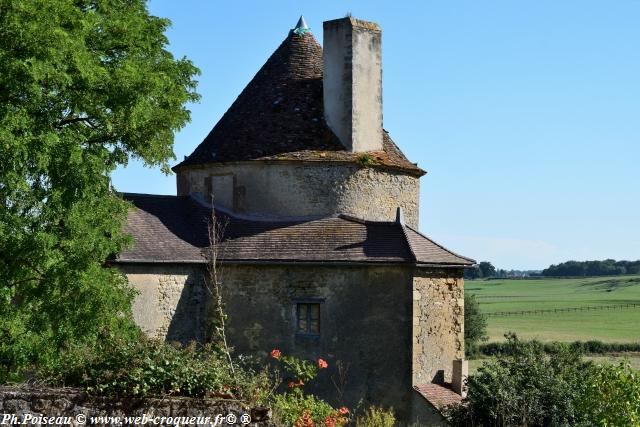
(21,405)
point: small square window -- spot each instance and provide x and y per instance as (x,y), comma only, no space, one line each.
(308,318)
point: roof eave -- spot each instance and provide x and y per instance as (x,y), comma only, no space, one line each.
(417,172)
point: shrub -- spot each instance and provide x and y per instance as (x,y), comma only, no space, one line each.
(610,395)
(376,417)
(588,347)
(526,386)
(150,367)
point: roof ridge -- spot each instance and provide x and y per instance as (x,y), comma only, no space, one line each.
(406,239)
(168,196)
(439,245)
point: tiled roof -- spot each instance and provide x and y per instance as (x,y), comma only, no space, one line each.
(279,116)
(439,395)
(427,251)
(175,229)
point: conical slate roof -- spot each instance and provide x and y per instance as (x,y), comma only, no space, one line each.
(279,116)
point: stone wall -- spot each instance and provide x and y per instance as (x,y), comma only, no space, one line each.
(364,323)
(438,323)
(365,319)
(79,407)
(285,189)
(392,326)
(171,302)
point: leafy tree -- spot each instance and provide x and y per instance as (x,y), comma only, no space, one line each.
(488,270)
(473,273)
(84,86)
(475,324)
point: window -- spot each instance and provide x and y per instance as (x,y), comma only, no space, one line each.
(308,318)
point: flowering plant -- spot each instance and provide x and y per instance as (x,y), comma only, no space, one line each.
(295,408)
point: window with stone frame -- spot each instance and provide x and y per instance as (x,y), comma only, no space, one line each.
(308,317)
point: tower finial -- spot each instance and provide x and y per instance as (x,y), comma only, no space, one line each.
(301,27)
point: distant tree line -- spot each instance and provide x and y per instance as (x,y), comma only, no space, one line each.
(608,267)
(486,270)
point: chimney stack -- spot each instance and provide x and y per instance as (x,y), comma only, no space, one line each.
(352,82)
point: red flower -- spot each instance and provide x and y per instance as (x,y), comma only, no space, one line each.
(322,364)
(291,384)
(329,422)
(343,410)
(275,353)
(305,420)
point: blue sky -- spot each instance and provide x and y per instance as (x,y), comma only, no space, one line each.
(526,115)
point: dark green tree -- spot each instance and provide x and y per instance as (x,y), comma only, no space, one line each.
(488,270)
(85,85)
(473,273)
(475,324)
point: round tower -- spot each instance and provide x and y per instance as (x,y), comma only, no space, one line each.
(300,142)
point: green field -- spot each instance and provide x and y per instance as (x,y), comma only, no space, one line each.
(610,325)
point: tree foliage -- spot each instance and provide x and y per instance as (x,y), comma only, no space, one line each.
(524,388)
(531,384)
(475,324)
(85,85)
(611,395)
(608,267)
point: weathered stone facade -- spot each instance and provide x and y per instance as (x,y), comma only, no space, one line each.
(393,326)
(305,189)
(79,407)
(365,315)
(171,303)
(438,323)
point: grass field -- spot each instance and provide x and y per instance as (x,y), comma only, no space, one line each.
(612,325)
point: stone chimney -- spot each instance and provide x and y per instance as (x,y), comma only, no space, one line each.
(352,81)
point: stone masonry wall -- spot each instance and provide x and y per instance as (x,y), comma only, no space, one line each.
(365,324)
(171,302)
(281,189)
(365,319)
(438,323)
(79,407)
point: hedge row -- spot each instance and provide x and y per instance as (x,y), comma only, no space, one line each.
(590,347)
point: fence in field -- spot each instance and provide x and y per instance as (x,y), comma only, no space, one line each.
(563,310)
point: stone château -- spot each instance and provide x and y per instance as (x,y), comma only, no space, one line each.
(321,252)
